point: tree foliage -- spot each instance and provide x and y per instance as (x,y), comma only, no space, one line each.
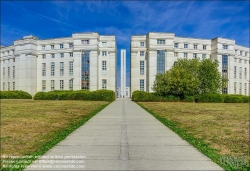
(189,77)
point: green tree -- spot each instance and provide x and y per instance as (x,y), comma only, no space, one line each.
(189,77)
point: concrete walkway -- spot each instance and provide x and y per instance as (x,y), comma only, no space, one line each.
(123,136)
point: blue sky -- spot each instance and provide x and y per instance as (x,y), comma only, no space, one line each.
(198,19)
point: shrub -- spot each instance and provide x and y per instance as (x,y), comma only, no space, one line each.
(188,99)
(99,95)
(236,99)
(214,98)
(17,94)
(142,96)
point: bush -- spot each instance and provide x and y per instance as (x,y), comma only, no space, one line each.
(142,96)
(99,95)
(236,99)
(17,94)
(189,99)
(212,98)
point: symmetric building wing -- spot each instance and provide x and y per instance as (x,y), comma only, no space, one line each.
(156,53)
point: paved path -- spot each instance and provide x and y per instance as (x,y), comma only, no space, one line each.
(123,136)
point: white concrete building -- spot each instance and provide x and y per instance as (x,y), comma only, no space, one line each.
(156,53)
(123,73)
(127,92)
(83,61)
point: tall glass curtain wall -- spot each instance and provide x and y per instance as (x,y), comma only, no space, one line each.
(85,70)
(160,61)
(225,72)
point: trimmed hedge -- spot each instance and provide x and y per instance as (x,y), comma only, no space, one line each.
(17,94)
(98,95)
(141,96)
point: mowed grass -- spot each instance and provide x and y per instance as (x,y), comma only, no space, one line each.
(28,124)
(225,126)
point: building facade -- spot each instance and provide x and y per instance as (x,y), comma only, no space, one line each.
(83,61)
(126,95)
(123,73)
(156,53)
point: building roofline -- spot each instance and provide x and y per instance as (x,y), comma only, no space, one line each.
(192,38)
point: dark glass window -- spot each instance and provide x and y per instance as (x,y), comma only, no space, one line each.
(160,61)
(85,70)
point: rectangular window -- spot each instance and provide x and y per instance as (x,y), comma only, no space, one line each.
(52,47)
(43,85)
(61,68)
(245,88)
(13,59)
(239,60)
(176,45)
(52,85)
(14,86)
(52,68)
(104,84)
(142,85)
(195,55)
(236,52)
(71,45)
(185,45)
(176,54)
(52,55)
(240,52)
(61,46)
(245,53)
(141,53)
(240,73)
(43,47)
(85,70)
(160,61)
(235,59)
(61,85)
(3,86)
(245,61)
(185,55)
(245,73)
(8,72)
(141,67)
(62,55)
(240,88)
(235,71)
(141,43)
(235,87)
(104,53)
(225,46)
(3,72)
(71,54)
(204,47)
(104,43)
(85,42)
(8,86)
(104,67)
(43,69)
(160,41)
(14,72)
(203,56)
(195,46)
(44,56)
(71,84)
(225,72)
(71,68)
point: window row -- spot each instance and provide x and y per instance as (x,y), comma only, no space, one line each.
(8,86)
(185,55)
(241,53)
(195,46)
(240,72)
(52,47)
(52,68)
(52,85)
(240,60)
(13,60)
(53,55)
(240,88)
(9,75)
